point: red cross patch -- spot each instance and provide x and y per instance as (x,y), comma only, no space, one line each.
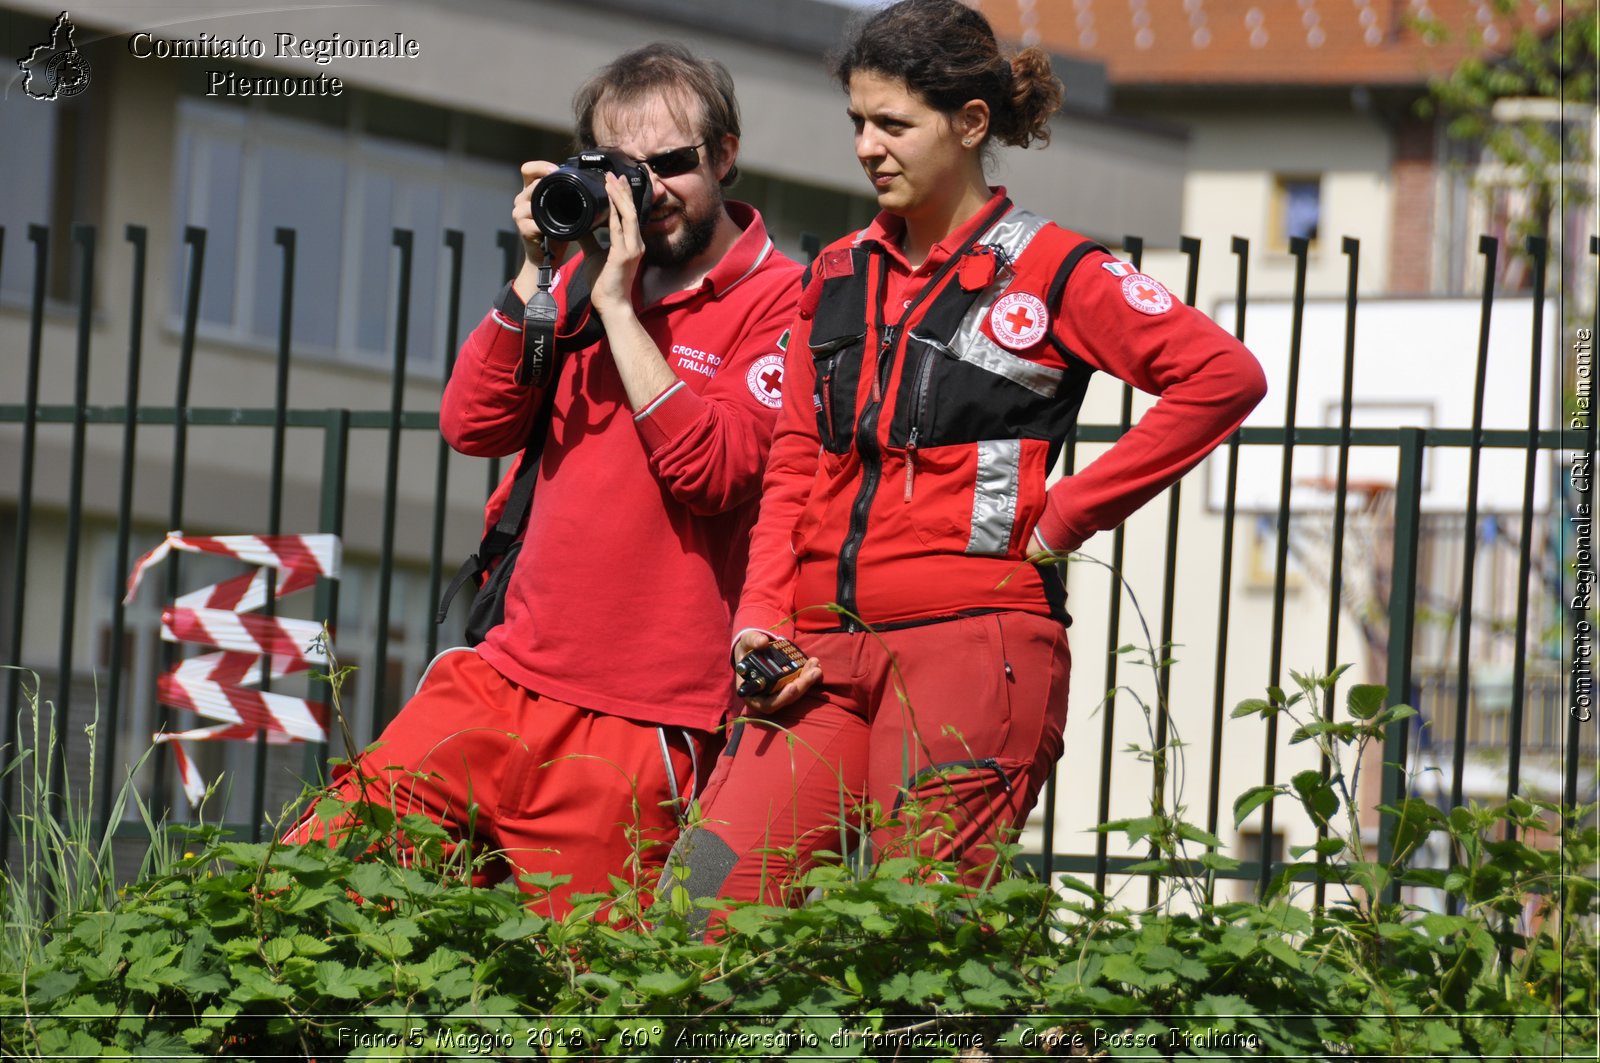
(1019,320)
(765,380)
(1145,294)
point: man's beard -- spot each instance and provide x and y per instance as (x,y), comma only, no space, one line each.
(686,245)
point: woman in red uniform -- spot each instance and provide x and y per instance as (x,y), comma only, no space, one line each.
(933,373)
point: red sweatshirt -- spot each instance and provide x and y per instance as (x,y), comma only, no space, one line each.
(637,533)
(908,487)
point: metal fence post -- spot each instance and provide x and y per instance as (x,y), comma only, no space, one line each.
(1402,626)
(39,236)
(107,753)
(335,464)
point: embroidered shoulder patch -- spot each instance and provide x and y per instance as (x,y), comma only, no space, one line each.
(1018,320)
(765,380)
(1145,294)
(1118,269)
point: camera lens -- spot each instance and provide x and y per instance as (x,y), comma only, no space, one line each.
(569,203)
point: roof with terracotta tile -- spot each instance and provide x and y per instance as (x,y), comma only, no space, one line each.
(1268,42)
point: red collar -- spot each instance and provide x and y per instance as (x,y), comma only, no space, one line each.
(752,248)
(888,231)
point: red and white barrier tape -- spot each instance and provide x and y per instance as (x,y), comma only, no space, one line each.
(217,685)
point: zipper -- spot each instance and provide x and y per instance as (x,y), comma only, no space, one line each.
(919,409)
(880,380)
(827,397)
(867,423)
(911,461)
(983,763)
(871,467)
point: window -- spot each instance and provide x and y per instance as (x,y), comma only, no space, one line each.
(1296,210)
(1250,851)
(28,130)
(243,173)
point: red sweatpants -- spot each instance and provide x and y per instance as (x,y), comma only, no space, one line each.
(948,729)
(543,785)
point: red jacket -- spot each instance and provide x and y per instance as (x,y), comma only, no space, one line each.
(637,534)
(941,398)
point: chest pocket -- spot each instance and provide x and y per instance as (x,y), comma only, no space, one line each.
(838,366)
(838,346)
(959,386)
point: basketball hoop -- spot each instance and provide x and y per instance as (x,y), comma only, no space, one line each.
(1319,494)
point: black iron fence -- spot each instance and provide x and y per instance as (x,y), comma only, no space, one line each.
(1540,708)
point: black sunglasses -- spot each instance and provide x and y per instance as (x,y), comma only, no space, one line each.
(674,163)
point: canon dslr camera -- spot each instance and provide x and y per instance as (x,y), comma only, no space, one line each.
(572,200)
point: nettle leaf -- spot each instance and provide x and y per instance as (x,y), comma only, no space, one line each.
(306,945)
(252,985)
(1253,707)
(333,979)
(1365,700)
(1344,732)
(1394,714)
(1439,1038)
(1251,800)
(854,909)
(749,919)
(244,854)
(298,858)
(371,881)
(1325,847)
(1121,967)
(96,968)
(1192,833)
(1136,829)
(975,973)
(525,925)
(1227,1004)
(200,984)
(916,987)
(148,975)
(51,985)
(298,901)
(667,983)
(1316,794)
(1282,951)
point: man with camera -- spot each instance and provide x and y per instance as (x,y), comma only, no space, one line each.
(571,738)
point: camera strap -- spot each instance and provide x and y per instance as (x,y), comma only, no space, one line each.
(539,315)
(508,528)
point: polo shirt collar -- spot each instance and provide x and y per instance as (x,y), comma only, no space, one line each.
(888,232)
(748,252)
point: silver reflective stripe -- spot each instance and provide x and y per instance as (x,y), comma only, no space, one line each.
(994,497)
(1013,233)
(973,347)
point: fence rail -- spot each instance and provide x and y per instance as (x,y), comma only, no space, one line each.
(1534,718)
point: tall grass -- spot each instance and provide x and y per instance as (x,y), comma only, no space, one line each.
(61,862)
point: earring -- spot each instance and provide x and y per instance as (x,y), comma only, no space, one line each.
(967,143)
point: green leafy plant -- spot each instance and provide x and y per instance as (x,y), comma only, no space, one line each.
(358,950)
(64,863)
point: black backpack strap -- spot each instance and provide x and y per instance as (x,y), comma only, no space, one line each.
(498,539)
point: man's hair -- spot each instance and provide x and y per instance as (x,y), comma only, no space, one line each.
(675,74)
